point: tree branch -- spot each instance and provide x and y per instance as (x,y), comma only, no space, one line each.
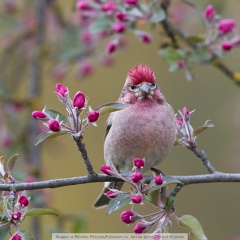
(82,149)
(173,33)
(218,177)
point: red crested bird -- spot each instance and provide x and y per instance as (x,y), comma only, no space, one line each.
(145,129)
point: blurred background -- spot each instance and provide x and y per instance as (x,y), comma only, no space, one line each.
(27,82)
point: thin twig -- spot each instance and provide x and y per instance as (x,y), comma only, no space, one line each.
(201,154)
(82,149)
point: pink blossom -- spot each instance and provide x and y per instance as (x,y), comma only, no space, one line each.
(226,26)
(226,46)
(136,199)
(109,6)
(131,2)
(127,216)
(158,180)
(93,116)
(38,114)
(138,162)
(61,89)
(209,13)
(79,100)
(105,169)
(111,47)
(54,125)
(23,201)
(16,215)
(136,177)
(118,27)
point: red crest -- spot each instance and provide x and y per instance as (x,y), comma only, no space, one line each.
(141,73)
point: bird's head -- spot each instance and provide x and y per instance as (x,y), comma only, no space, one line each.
(141,84)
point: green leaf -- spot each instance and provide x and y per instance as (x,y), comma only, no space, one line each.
(11,162)
(118,202)
(207,124)
(99,25)
(147,198)
(173,67)
(53,114)
(195,39)
(158,16)
(155,196)
(47,135)
(4,231)
(169,203)
(26,235)
(171,55)
(201,55)
(40,211)
(193,226)
(3,217)
(111,107)
(79,225)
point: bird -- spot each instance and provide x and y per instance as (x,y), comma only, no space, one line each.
(145,129)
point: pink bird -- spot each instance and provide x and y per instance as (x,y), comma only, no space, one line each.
(145,129)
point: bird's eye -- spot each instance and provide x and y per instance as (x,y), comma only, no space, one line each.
(132,87)
(153,85)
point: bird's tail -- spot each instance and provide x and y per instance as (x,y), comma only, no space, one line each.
(103,200)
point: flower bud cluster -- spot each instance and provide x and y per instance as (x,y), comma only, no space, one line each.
(139,191)
(56,122)
(17,212)
(184,127)
(116,18)
(221,33)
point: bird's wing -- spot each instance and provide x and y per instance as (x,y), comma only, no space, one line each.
(108,125)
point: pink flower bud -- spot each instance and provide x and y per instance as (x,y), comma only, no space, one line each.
(209,13)
(136,177)
(79,100)
(139,228)
(179,122)
(38,114)
(62,90)
(180,63)
(112,194)
(158,180)
(16,237)
(105,169)
(138,162)
(85,68)
(23,201)
(127,216)
(136,199)
(111,47)
(121,16)
(54,125)
(118,27)
(82,5)
(226,46)
(226,26)
(131,2)
(107,60)
(93,116)
(146,38)
(109,6)
(16,215)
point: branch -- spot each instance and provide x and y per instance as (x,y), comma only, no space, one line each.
(173,32)
(82,149)
(62,182)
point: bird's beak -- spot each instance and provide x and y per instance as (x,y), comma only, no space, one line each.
(145,89)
